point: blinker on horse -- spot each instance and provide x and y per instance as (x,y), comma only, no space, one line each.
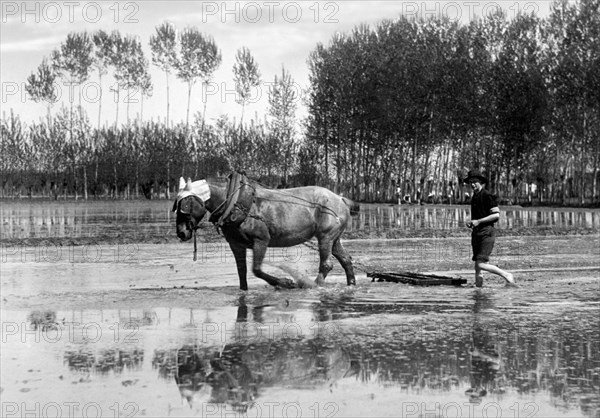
(254,217)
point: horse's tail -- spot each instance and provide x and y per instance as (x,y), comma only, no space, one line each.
(354,207)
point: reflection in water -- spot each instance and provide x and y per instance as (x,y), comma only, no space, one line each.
(484,354)
(485,360)
(454,217)
(142,218)
(479,350)
(42,320)
(238,373)
(105,361)
(43,219)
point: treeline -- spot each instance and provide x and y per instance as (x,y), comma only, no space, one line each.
(411,105)
(141,159)
(403,108)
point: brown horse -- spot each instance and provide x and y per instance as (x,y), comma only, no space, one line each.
(255,217)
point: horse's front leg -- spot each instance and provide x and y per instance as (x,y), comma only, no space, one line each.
(239,253)
(325,265)
(260,250)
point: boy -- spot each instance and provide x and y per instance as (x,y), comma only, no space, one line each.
(484,213)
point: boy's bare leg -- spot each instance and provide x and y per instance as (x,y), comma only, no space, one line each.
(495,270)
(478,276)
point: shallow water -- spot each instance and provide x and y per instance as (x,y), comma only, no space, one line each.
(141,330)
(159,335)
(445,217)
(44,219)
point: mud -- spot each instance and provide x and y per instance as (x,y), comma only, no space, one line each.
(117,327)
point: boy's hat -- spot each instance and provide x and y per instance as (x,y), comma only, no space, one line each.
(475,174)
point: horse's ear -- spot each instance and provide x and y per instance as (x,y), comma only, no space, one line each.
(181,183)
(188,186)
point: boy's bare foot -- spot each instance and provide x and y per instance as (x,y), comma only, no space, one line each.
(479,281)
(510,280)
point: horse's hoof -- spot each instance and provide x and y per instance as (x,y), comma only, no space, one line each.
(287,284)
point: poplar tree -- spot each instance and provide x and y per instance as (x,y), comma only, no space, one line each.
(164,53)
(199,58)
(246,77)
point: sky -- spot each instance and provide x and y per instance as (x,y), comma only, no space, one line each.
(279,34)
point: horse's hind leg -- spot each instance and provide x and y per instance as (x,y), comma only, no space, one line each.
(340,253)
(325,265)
(260,249)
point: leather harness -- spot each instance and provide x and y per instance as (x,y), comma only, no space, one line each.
(241,195)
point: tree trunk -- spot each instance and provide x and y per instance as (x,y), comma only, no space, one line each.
(117,111)
(85,185)
(127,107)
(187,116)
(168,103)
(168,194)
(115,179)
(100,101)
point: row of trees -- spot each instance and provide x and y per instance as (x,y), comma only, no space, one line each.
(66,155)
(143,159)
(406,106)
(411,104)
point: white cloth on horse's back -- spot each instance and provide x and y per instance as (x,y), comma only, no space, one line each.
(199,188)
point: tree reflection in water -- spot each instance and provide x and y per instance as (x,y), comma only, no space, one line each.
(485,352)
(476,349)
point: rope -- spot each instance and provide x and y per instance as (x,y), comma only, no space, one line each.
(195,246)
(286,193)
(311,204)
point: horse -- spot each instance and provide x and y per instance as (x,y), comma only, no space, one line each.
(255,217)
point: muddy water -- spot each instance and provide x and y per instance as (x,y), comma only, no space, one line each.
(141,330)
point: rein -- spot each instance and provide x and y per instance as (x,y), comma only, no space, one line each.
(195,246)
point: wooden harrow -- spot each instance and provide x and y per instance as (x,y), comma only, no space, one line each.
(417,279)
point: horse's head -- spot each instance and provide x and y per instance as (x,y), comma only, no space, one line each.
(190,210)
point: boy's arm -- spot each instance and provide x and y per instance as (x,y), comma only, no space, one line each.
(492,217)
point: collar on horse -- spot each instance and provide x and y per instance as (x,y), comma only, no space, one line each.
(241,194)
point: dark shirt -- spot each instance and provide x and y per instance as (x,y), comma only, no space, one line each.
(482,204)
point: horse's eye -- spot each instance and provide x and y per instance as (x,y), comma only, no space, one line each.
(185,206)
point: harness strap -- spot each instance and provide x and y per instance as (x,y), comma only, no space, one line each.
(233,194)
(240,196)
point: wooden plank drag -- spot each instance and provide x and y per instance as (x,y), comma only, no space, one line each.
(417,279)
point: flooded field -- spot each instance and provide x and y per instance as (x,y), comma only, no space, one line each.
(114,327)
(102,219)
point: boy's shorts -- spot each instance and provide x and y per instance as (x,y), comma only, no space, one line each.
(482,242)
